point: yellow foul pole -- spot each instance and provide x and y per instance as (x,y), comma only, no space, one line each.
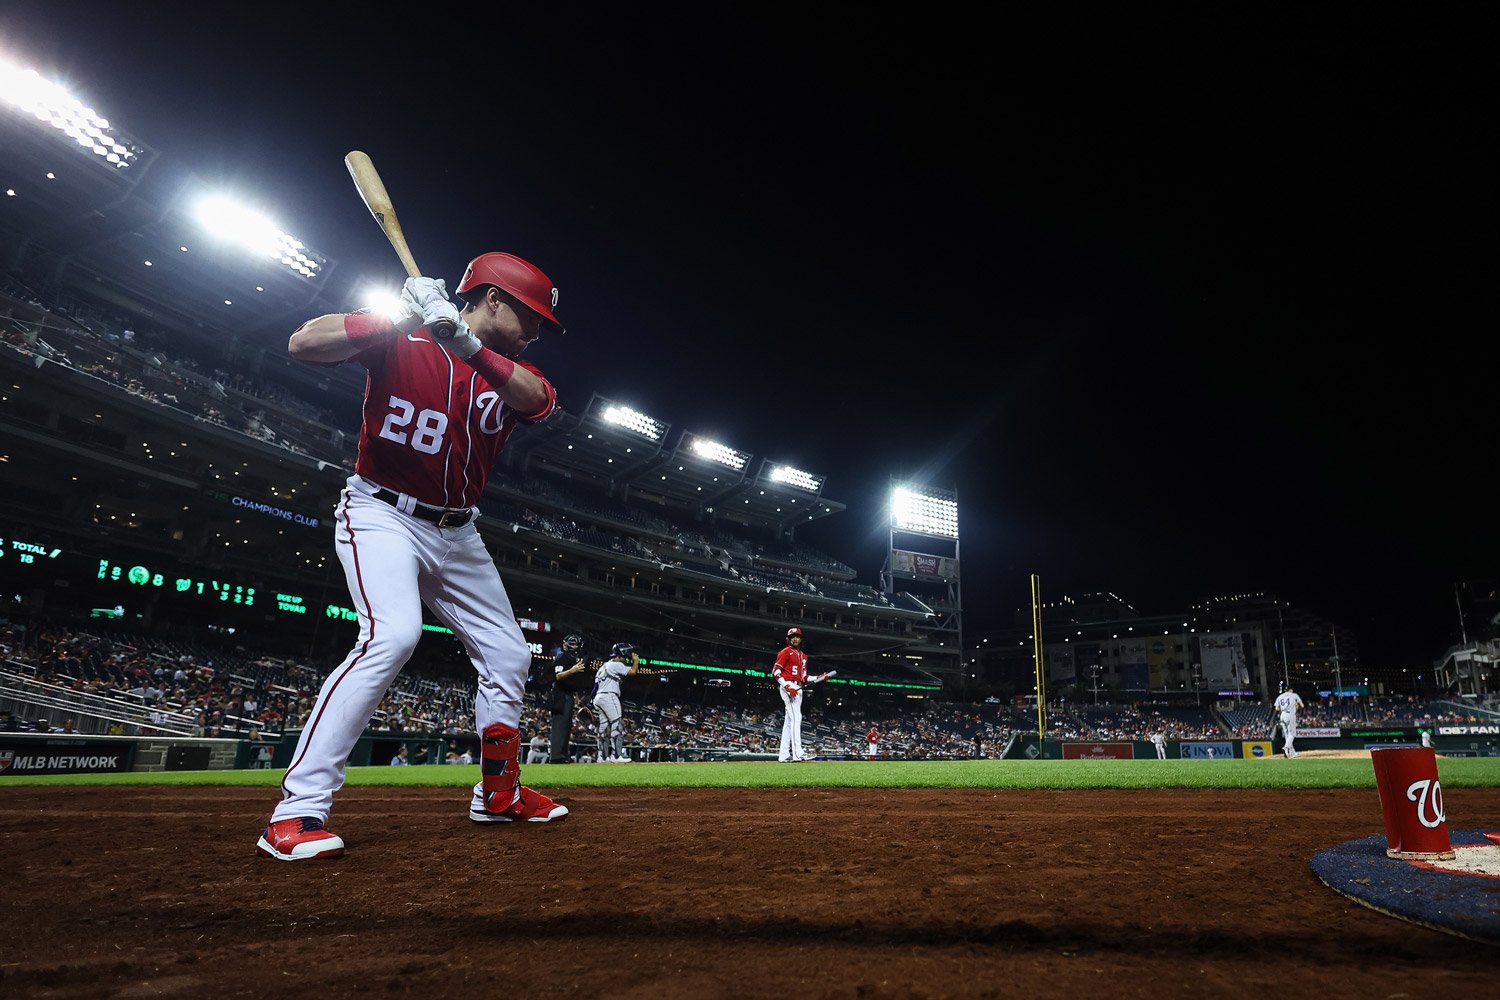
(1036,655)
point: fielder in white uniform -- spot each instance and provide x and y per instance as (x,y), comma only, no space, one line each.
(610,726)
(436,415)
(1287,705)
(1160,742)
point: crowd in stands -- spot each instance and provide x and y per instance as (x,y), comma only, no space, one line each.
(216,691)
(236,692)
(112,352)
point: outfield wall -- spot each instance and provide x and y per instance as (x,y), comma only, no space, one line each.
(1455,745)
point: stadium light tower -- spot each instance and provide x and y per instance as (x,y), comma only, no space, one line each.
(712,450)
(238,223)
(923,549)
(51,104)
(621,415)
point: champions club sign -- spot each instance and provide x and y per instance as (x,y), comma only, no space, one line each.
(261,507)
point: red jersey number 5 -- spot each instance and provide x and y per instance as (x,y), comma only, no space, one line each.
(428,435)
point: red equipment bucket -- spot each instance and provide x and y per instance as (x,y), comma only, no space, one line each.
(1411,798)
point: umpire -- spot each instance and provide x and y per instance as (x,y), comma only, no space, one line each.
(570,678)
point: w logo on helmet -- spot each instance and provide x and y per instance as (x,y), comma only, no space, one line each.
(554,297)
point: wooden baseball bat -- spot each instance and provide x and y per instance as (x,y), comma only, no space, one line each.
(367,181)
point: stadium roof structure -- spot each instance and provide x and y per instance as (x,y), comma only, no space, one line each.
(134,227)
(637,457)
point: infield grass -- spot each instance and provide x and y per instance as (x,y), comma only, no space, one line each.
(1463,772)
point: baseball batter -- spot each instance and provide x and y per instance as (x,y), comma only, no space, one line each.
(609,712)
(436,416)
(1287,705)
(791,676)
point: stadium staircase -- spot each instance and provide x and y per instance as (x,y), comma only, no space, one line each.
(27,698)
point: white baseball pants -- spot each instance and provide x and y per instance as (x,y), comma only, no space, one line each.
(610,727)
(1289,730)
(791,726)
(394,564)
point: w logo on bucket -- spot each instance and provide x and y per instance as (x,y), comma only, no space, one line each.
(1425,792)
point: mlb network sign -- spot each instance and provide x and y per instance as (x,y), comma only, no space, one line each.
(17,757)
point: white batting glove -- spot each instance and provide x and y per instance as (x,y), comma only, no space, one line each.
(406,314)
(463,343)
(425,290)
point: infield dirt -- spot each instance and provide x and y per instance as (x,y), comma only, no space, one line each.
(140,892)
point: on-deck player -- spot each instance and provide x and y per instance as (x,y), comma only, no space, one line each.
(791,676)
(436,416)
(610,728)
(1288,704)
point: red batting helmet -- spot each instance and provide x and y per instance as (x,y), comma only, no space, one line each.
(794,632)
(523,280)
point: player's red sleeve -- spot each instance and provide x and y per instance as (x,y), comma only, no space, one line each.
(372,356)
(551,403)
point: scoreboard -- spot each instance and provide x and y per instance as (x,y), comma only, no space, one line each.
(130,583)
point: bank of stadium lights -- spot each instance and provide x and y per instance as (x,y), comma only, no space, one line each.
(796,477)
(51,104)
(924,512)
(633,420)
(721,453)
(231,221)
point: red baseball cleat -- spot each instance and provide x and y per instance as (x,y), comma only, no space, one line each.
(299,839)
(530,806)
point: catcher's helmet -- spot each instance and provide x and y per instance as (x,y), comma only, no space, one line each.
(574,642)
(794,632)
(512,274)
(621,650)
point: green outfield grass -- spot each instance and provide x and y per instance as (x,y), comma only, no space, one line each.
(1048,774)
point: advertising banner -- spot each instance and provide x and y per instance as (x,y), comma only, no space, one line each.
(1134,676)
(1098,751)
(64,756)
(924,566)
(1086,656)
(1161,660)
(1320,732)
(1060,663)
(1133,673)
(1468,730)
(1256,748)
(1215,750)
(1223,657)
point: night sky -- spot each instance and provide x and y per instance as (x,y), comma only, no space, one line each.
(1189,306)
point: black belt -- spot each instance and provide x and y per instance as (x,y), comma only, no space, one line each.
(440,516)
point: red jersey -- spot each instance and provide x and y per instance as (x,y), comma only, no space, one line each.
(791,666)
(872,735)
(433,427)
